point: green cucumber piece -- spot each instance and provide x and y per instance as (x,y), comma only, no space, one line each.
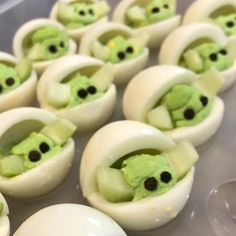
(160,118)
(182,157)
(59,131)
(136,14)
(193,61)
(11,166)
(112,185)
(24,69)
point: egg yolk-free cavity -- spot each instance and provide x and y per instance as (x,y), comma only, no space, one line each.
(139,15)
(46,43)
(205,56)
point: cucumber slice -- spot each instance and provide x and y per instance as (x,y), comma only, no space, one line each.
(59,95)
(24,69)
(103,77)
(160,118)
(193,61)
(11,166)
(59,131)
(136,14)
(112,185)
(182,157)
(210,82)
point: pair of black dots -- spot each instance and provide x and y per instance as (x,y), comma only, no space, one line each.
(9,82)
(35,155)
(53,48)
(214,56)
(83,13)
(83,93)
(156,10)
(122,55)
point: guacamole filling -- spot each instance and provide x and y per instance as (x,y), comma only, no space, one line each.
(145,175)
(205,56)
(35,149)
(81,14)
(11,77)
(140,15)
(46,43)
(227,23)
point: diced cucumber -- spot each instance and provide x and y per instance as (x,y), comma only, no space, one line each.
(59,131)
(160,118)
(182,157)
(11,166)
(136,14)
(24,69)
(112,185)
(210,82)
(193,61)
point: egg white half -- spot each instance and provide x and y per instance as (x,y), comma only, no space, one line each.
(4,220)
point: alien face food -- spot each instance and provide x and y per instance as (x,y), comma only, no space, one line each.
(82,13)
(137,171)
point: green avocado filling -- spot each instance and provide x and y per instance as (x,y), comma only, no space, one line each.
(46,43)
(145,175)
(183,105)
(80,14)
(35,149)
(227,23)
(206,56)
(140,15)
(11,77)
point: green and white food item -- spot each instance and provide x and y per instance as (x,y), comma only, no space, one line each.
(150,12)
(227,23)
(145,174)
(12,76)
(81,14)
(46,43)
(35,149)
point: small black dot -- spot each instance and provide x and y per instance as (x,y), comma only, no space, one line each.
(1,88)
(44,147)
(82,93)
(189,114)
(34,156)
(92,89)
(166,6)
(223,52)
(52,48)
(91,12)
(130,50)
(166,177)
(230,24)
(204,100)
(62,45)
(213,57)
(10,81)
(121,55)
(151,184)
(155,10)
(82,13)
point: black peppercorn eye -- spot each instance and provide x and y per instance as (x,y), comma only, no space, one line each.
(213,57)
(92,89)
(223,52)
(62,44)
(230,24)
(10,81)
(81,12)
(189,114)
(52,49)
(155,10)
(121,55)
(204,100)
(82,93)
(166,177)
(1,88)
(129,49)
(151,184)
(34,156)
(91,12)
(166,6)
(44,147)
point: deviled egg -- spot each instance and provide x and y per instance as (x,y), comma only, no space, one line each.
(42,41)
(16,78)
(176,101)
(117,44)
(221,13)
(200,47)
(36,151)
(156,18)
(136,174)
(71,220)
(80,89)
(4,220)
(79,16)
